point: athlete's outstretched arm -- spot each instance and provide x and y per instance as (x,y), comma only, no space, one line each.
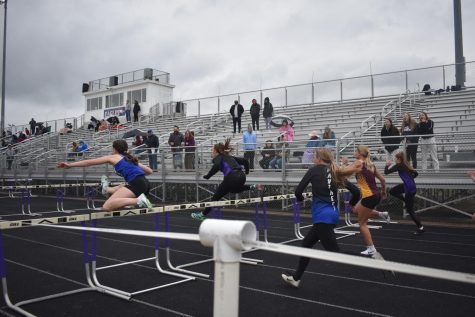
(85,163)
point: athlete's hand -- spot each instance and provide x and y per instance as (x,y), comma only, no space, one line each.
(63,165)
(344,160)
(388,162)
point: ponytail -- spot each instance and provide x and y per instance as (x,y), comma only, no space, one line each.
(123,149)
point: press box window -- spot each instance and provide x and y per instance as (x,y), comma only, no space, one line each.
(115,100)
(140,95)
(94,103)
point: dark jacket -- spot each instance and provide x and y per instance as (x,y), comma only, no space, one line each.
(255,110)
(393,131)
(407,132)
(268,153)
(190,145)
(151,142)
(177,139)
(32,124)
(268,109)
(226,164)
(136,107)
(426,128)
(240,110)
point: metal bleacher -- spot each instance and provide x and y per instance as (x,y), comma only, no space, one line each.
(354,122)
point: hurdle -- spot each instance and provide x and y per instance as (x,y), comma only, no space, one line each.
(95,268)
(207,238)
(18,306)
(229,238)
(26,195)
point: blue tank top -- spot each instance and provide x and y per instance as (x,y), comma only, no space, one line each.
(128,170)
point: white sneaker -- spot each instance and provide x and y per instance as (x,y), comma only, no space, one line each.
(105,184)
(385,216)
(289,279)
(368,251)
(143,201)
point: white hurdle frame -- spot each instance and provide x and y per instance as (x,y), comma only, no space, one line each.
(229,238)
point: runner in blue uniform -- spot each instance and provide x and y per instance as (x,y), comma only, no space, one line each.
(127,166)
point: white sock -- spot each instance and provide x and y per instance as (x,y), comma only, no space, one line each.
(371,247)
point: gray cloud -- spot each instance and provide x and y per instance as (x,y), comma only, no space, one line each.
(215,46)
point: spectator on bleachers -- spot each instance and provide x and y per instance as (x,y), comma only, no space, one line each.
(136,110)
(281,154)
(268,112)
(268,153)
(309,153)
(10,154)
(425,128)
(83,147)
(175,140)
(152,148)
(190,149)
(138,142)
(408,128)
(427,90)
(329,138)
(286,131)
(255,114)
(128,109)
(14,139)
(21,137)
(236,112)
(388,133)
(65,130)
(73,152)
(249,142)
(27,132)
(104,125)
(32,126)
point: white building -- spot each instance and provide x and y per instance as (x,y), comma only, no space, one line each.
(107,97)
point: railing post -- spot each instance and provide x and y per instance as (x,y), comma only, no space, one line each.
(341,91)
(219,105)
(199,108)
(443,76)
(372,86)
(407,80)
(285,97)
(260,98)
(313,94)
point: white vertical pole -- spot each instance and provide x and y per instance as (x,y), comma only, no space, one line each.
(226,289)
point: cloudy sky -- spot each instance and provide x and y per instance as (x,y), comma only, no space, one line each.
(212,46)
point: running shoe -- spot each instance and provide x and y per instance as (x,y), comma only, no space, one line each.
(105,184)
(368,251)
(198,215)
(289,279)
(143,201)
(419,231)
(385,216)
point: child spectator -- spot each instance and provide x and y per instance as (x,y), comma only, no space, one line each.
(268,153)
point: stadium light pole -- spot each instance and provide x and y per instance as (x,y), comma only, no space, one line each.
(459,58)
(2,120)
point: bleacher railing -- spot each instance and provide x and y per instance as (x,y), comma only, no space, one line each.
(338,90)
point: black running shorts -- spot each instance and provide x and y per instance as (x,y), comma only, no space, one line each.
(139,185)
(371,201)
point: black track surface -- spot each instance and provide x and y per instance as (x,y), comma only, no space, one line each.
(43,261)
